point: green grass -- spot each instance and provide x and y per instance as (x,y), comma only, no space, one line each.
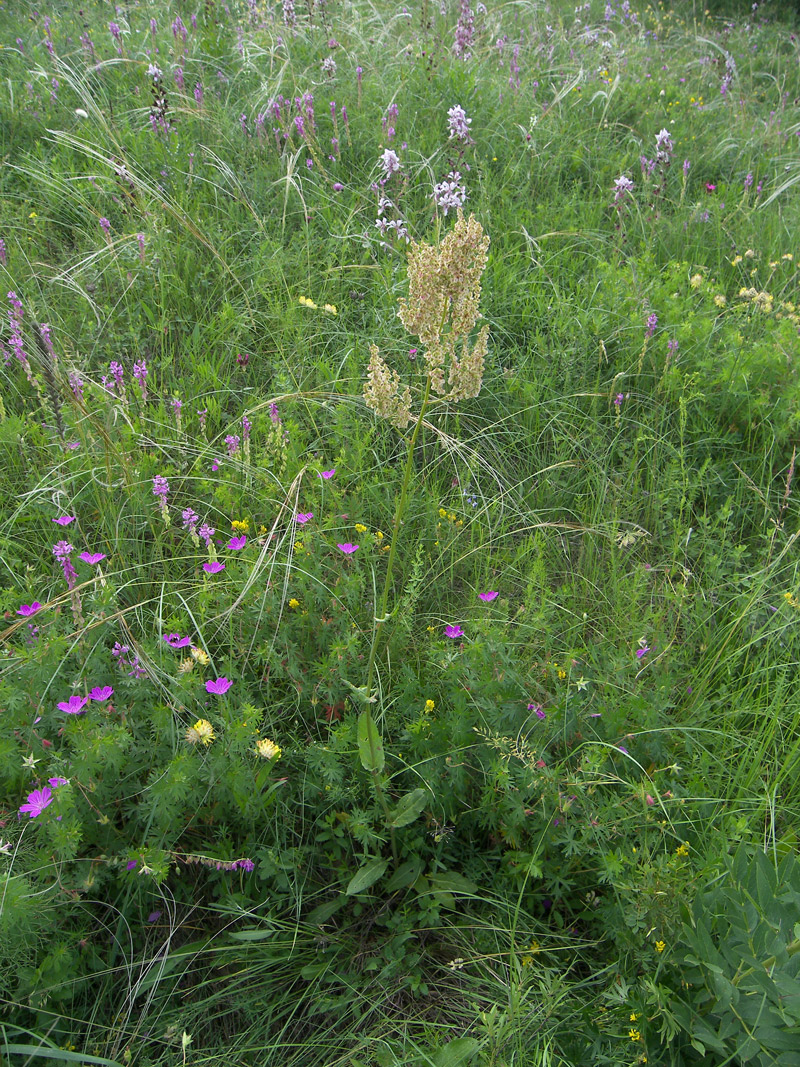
(599,864)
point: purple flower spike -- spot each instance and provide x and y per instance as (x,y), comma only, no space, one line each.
(236,543)
(218,686)
(214,567)
(73,706)
(303,516)
(489,596)
(176,641)
(347,548)
(454,631)
(64,520)
(29,609)
(92,557)
(131,865)
(640,652)
(328,474)
(100,692)
(37,801)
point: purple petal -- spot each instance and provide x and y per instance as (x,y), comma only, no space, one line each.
(236,543)
(92,557)
(214,567)
(454,631)
(303,516)
(176,641)
(64,520)
(218,686)
(29,609)
(100,692)
(347,548)
(327,474)
(489,596)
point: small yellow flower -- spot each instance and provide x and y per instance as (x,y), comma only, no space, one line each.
(633,1017)
(736,261)
(379,534)
(696,281)
(660,946)
(294,603)
(682,850)
(267,749)
(562,674)
(634,1035)
(242,525)
(429,706)
(749,253)
(202,732)
(787,255)
(720,300)
(33,215)
(331,309)
(442,513)
(451,517)
(360,528)
(431,629)
(262,530)
(201,657)
(304,300)
(299,546)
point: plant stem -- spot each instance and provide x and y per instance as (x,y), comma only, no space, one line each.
(381,616)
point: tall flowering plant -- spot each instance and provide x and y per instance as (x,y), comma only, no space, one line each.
(442,310)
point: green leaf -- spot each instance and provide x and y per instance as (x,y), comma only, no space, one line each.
(372,758)
(455,1052)
(408,808)
(322,913)
(366,875)
(43,1052)
(405,875)
(452,882)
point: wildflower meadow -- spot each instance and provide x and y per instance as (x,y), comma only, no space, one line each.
(399,419)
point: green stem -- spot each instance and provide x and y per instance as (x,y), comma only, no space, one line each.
(381,616)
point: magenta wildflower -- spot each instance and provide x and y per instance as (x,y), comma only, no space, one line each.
(453,631)
(642,651)
(62,550)
(37,801)
(176,641)
(236,543)
(29,609)
(64,520)
(218,686)
(131,865)
(100,692)
(488,596)
(214,567)
(710,188)
(92,557)
(327,474)
(303,516)
(73,706)
(347,548)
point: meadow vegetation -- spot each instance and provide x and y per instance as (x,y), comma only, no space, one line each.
(398,420)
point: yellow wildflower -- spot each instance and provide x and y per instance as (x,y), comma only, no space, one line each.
(379,534)
(262,530)
(294,603)
(331,309)
(787,255)
(696,281)
(633,1016)
(360,528)
(306,302)
(429,706)
(242,525)
(202,732)
(736,261)
(267,749)
(186,665)
(442,513)
(682,850)
(634,1035)
(720,300)
(201,657)
(660,946)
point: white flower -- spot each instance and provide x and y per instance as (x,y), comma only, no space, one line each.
(81,113)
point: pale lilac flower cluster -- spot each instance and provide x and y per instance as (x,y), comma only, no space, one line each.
(232,441)
(385,224)
(459,124)
(664,147)
(450,194)
(622,187)
(391,163)
(161,491)
(15,341)
(140,374)
(465,32)
(388,121)
(222,865)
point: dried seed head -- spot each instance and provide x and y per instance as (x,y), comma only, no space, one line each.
(383,392)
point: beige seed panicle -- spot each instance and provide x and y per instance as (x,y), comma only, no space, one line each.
(384,393)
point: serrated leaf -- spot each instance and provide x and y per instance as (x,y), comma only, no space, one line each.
(408,808)
(370,746)
(366,875)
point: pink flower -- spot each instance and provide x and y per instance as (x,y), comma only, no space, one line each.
(649,800)
(73,706)
(100,692)
(538,709)
(176,641)
(236,543)
(303,516)
(347,548)
(214,567)
(37,801)
(64,520)
(488,596)
(219,686)
(642,651)
(327,474)
(92,557)
(710,188)
(56,782)
(454,631)
(29,609)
